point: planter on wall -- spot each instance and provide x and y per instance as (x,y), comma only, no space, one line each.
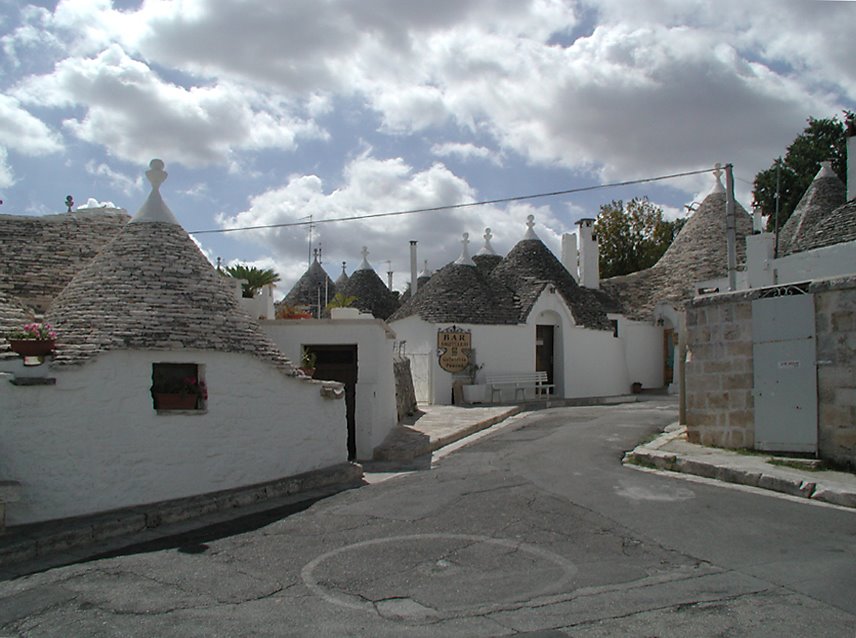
(32,347)
(175,401)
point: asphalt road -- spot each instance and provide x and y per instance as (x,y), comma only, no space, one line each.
(535,529)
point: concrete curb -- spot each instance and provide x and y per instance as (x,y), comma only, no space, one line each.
(157,520)
(755,472)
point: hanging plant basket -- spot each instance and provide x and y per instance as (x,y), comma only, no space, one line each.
(32,347)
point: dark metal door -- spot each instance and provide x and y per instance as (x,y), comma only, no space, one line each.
(544,351)
(339,363)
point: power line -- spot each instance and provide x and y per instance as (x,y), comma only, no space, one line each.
(486,202)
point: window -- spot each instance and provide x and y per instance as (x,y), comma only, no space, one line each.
(178,386)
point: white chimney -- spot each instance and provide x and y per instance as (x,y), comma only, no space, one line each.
(589,255)
(413,276)
(851,160)
(569,254)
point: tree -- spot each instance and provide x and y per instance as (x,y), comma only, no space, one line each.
(632,237)
(821,140)
(254,278)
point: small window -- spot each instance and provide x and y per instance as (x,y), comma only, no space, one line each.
(178,386)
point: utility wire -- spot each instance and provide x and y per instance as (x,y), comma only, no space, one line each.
(486,202)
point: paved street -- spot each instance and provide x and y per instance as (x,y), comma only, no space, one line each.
(535,528)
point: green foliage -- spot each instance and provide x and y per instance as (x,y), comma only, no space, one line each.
(340,300)
(632,237)
(255,278)
(821,140)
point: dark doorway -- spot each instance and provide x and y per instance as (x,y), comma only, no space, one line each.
(544,352)
(339,363)
(669,338)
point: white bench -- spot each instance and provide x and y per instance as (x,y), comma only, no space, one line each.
(520,381)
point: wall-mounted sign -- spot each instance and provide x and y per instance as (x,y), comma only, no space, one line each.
(453,348)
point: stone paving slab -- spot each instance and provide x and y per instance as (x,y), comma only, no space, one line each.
(671,451)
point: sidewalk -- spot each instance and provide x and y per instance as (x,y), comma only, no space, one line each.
(798,477)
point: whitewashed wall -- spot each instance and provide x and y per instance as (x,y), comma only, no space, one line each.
(375,413)
(643,352)
(93,441)
(595,364)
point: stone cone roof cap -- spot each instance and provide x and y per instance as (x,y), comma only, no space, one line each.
(698,253)
(151,288)
(825,194)
(305,291)
(371,293)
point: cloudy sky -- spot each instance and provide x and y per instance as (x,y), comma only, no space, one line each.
(271,112)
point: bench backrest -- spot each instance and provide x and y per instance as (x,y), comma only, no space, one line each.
(538,376)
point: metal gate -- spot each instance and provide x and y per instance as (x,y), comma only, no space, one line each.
(785,372)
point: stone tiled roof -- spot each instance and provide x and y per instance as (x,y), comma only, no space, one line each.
(836,227)
(371,293)
(487,262)
(461,294)
(698,253)
(13,315)
(467,294)
(151,288)
(40,255)
(530,267)
(305,291)
(824,194)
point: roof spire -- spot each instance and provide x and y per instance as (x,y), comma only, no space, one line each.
(717,173)
(154,209)
(425,272)
(530,228)
(465,259)
(825,170)
(365,265)
(487,249)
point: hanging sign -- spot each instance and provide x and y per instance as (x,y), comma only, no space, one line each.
(453,348)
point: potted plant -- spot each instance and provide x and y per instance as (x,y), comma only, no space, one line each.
(33,340)
(473,392)
(178,393)
(308,359)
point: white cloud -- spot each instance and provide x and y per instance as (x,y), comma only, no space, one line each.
(116,179)
(7,177)
(23,132)
(133,113)
(94,203)
(467,151)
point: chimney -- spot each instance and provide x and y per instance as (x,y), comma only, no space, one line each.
(589,255)
(413,274)
(569,254)
(851,159)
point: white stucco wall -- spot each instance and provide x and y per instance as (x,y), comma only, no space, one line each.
(93,441)
(643,352)
(595,364)
(375,412)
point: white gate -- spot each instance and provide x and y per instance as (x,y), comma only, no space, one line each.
(785,371)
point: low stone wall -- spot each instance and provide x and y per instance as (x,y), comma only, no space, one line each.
(719,370)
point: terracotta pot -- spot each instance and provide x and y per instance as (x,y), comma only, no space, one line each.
(307,371)
(170,401)
(32,347)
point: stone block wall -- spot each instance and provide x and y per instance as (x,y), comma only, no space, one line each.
(719,373)
(720,408)
(835,313)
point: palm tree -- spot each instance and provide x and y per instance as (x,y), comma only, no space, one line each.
(254,278)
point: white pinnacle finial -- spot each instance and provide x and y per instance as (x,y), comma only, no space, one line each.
(530,228)
(717,173)
(465,259)
(365,264)
(825,170)
(154,209)
(425,272)
(487,249)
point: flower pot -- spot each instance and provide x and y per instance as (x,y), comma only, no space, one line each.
(307,371)
(171,401)
(636,387)
(32,347)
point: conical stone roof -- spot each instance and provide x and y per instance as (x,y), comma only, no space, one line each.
(371,293)
(698,253)
(824,194)
(151,288)
(305,291)
(836,227)
(13,316)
